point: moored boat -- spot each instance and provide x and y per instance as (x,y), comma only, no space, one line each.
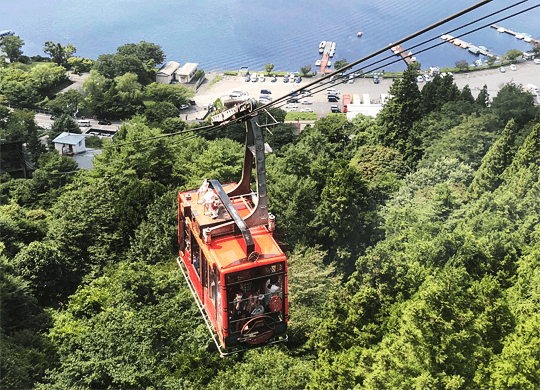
(359,33)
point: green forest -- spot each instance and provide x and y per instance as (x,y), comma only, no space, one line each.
(413,240)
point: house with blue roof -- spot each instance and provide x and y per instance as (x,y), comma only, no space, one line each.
(74,145)
(70,143)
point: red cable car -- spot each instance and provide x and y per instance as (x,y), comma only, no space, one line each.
(236,271)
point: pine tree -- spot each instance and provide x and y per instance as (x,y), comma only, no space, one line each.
(528,155)
(497,159)
(398,116)
(466,95)
(482,100)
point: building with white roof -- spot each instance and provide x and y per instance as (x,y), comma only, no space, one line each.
(186,73)
(70,143)
(167,73)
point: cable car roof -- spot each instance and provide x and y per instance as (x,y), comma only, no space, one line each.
(230,250)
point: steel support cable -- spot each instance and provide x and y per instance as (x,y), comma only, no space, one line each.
(137,154)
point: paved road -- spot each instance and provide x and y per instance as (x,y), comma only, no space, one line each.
(44,121)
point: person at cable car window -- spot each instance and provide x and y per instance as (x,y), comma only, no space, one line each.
(239,309)
(197,262)
(270,289)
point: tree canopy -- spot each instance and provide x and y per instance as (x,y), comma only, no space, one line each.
(412,239)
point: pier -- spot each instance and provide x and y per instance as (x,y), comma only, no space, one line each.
(398,50)
(328,51)
(524,36)
(466,45)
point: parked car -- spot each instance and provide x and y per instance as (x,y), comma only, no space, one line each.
(427,78)
(351,79)
(104,122)
(333,98)
(261,78)
(266,91)
(335,109)
(273,79)
(306,109)
(420,79)
(537,61)
(291,106)
(248,77)
(376,79)
(306,93)
(266,97)
(298,79)
(253,77)
(53,117)
(307,102)
(184,106)
(513,67)
(285,79)
(292,100)
(502,69)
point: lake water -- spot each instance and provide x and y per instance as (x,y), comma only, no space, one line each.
(229,34)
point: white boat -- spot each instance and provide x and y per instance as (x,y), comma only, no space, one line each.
(527,39)
(329,64)
(322,45)
(321,50)
(318,63)
(500,29)
(443,36)
(519,36)
(333,45)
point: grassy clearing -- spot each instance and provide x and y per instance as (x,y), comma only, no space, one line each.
(216,79)
(301,116)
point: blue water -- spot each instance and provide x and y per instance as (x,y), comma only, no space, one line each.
(229,34)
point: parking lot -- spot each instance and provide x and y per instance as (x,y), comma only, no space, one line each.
(319,102)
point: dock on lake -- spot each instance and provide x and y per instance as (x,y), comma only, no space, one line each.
(526,37)
(328,51)
(466,45)
(399,51)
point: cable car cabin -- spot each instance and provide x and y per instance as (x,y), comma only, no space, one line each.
(234,267)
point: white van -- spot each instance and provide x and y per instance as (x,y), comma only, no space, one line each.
(332,91)
(236,94)
(85,123)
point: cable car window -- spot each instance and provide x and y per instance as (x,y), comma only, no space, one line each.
(195,256)
(219,304)
(254,292)
(212,283)
(181,231)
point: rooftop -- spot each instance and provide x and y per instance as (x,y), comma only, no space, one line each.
(69,138)
(187,69)
(169,68)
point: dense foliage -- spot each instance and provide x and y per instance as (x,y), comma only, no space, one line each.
(413,243)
